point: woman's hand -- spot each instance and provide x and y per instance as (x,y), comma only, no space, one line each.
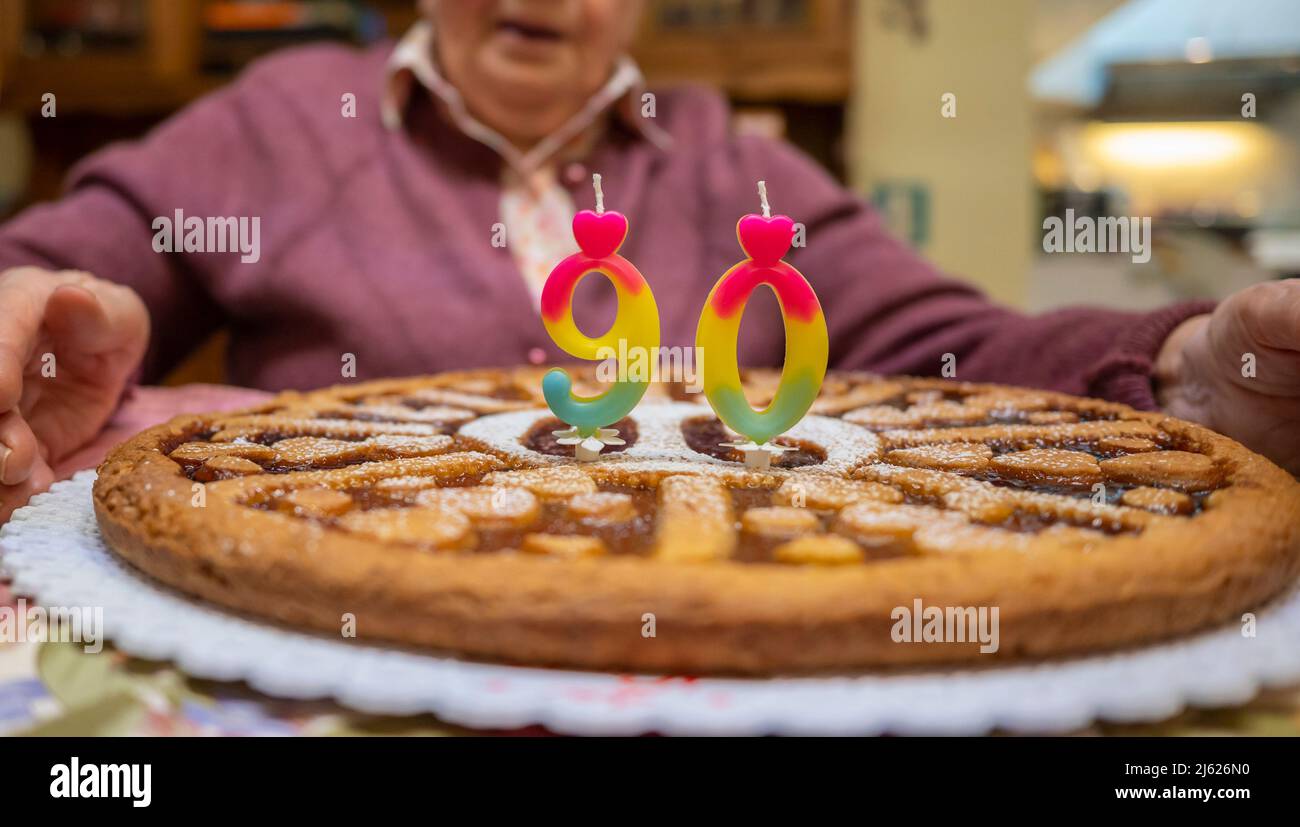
(1237,370)
(68,344)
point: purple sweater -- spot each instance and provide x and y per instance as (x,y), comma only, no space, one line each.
(379,243)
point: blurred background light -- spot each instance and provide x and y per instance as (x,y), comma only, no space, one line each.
(1170,145)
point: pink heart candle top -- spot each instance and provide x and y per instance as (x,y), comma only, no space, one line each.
(599,234)
(766,240)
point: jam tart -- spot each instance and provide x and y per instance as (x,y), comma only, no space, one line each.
(440,513)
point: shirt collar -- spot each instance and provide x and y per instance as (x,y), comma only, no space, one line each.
(413,61)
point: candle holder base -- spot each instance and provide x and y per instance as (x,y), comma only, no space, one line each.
(587,448)
(758,456)
(585,454)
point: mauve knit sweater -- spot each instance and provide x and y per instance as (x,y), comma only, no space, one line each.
(378,243)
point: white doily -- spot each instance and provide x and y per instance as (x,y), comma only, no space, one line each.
(53,551)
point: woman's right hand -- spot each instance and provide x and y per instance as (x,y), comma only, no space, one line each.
(68,344)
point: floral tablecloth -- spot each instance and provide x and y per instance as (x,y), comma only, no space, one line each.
(59,689)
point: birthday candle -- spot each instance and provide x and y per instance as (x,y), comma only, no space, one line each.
(765,239)
(599,234)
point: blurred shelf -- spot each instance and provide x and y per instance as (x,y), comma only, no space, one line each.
(757,51)
(107,84)
(754,50)
(180,49)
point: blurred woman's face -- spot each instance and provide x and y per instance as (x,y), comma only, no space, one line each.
(524,67)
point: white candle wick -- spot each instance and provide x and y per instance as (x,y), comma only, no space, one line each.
(762,199)
(600,194)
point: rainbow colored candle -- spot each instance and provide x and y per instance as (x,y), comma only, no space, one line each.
(599,235)
(765,239)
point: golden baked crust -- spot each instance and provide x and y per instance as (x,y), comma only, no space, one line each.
(436,512)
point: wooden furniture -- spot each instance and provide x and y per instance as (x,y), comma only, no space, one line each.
(162,72)
(757,51)
(157,74)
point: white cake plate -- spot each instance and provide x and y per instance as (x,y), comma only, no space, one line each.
(54,553)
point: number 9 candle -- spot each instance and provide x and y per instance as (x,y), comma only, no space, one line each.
(599,235)
(766,240)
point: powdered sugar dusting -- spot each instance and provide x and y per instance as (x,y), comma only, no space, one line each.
(661,446)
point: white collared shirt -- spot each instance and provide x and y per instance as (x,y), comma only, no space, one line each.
(536,209)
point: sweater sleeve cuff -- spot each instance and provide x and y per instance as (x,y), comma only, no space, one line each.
(1123,374)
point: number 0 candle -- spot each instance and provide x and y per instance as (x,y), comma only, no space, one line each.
(599,234)
(765,239)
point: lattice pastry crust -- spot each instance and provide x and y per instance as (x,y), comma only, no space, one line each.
(438,512)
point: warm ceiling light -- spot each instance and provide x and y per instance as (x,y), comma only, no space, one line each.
(1170,145)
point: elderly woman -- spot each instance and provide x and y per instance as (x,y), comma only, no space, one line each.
(381,180)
